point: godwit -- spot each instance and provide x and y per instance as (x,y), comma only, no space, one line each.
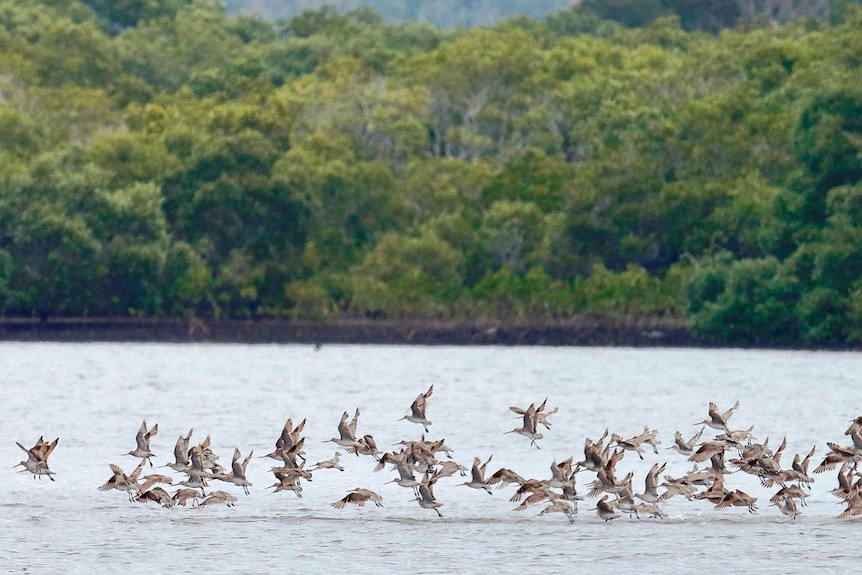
(346,431)
(707,450)
(533,487)
(289,435)
(606,477)
(716,492)
(650,437)
(632,444)
(541,414)
(718,420)
(594,456)
(738,498)
(651,510)
(153,479)
(237,475)
(122,482)
(836,455)
(426,499)
(143,440)
(181,496)
(503,477)
(787,506)
(37,458)
(855,426)
(846,488)
(737,439)
(425,493)
(625,501)
(359,496)
(559,505)
(197,474)
(798,472)
(650,494)
(405,477)
(288,480)
(417,409)
(854,507)
(156,495)
(605,509)
(790,492)
(181,453)
(684,447)
(478,475)
(218,498)
(673,489)
(561,473)
(449,468)
(528,429)
(329,463)
(764,465)
(365,445)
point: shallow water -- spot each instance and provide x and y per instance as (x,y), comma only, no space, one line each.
(94,396)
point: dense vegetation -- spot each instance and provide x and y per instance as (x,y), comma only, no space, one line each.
(160,158)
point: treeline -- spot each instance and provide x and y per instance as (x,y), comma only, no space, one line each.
(160,158)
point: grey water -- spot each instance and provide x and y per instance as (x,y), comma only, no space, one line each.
(94,397)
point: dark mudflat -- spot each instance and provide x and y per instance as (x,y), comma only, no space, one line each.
(359,331)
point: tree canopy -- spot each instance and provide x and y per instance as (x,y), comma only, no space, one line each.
(165,158)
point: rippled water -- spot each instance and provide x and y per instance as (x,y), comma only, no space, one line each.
(94,396)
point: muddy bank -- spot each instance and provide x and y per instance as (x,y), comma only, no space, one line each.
(361,331)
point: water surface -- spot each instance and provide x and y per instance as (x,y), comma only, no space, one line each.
(94,396)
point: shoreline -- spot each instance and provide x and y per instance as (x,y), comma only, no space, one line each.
(646,333)
(575,332)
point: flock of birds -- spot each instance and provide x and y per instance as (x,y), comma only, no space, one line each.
(420,464)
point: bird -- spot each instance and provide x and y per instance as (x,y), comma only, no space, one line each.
(237,474)
(605,509)
(286,480)
(122,482)
(787,506)
(181,453)
(142,438)
(425,493)
(346,431)
(541,414)
(417,409)
(559,505)
(684,447)
(738,498)
(650,494)
(182,495)
(718,420)
(359,496)
(218,498)
(329,463)
(528,429)
(156,495)
(478,475)
(37,458)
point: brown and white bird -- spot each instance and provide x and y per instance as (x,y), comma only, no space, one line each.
(718,420)
(37,458)
(142,438)
(358,496)
(417,409)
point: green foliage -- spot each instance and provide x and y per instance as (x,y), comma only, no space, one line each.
(756,304)
(159,157)
(632,292)
(533,295)
(406,276)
